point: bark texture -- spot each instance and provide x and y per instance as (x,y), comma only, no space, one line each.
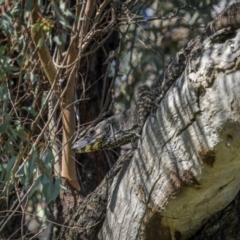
(185,170)
(86,222)
(186,167)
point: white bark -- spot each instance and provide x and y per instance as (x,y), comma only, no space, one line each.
(188,163)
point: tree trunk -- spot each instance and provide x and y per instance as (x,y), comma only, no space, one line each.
(186,166)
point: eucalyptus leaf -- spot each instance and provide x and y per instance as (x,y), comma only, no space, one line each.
(47,190)
(22,133)
(34,78)
(21,176)
(65,11)
(3,127)
(10,163)
(9,188)
(7,23)
(57,40)
(28,9)
(16,9)
(3,168)
(56,187)
(31,110)
(35,186)
(47,159)
(40,42)
(45,179)
(30,167)
(61,18)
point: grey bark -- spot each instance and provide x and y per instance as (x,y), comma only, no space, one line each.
(185,170)
(187,165)
(87,220)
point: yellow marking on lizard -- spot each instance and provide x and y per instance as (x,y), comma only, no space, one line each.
(92,147)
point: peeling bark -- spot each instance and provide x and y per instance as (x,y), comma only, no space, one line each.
(185,170)
(86,222)
(186,167)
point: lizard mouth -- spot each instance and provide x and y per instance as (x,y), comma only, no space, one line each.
(86,145)
(79,144)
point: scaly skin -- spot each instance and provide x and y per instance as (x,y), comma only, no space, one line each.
(110,133)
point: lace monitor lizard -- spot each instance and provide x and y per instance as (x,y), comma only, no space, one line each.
(123,127)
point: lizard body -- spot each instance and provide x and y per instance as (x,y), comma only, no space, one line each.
(147,97)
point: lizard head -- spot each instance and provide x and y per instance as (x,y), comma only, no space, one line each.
(107,134)
(93,139)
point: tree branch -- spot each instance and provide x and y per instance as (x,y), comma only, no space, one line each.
(188,159)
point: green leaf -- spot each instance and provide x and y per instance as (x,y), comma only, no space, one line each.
(36,27)
(60,15)
(20,174)
(47,159)
(15,11)
(47,190)
(3,127)
(34,78)
(12,69)
(10,163)
(28,9)
(2,171)
(63,37)
(30,167)
(40,42)
(31,110)
(3,167)
(7,23)
(57,40)
(45,179)
(13,133)
(22,133)
(8,171)
(7,190)
(35,186)
(65,11)
(56,187)
(4,92)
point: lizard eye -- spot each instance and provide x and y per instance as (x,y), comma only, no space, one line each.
(91,132)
